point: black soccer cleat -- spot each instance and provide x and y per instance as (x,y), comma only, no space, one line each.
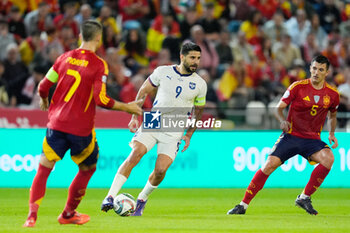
(239,209)
(306,205)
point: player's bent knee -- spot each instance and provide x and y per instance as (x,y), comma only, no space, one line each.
(160,172)
(139,148)
(46,163)
(85,167)
(268,169)
(271,165)
(330,158)
(135,157)
(328,161)
(324,157)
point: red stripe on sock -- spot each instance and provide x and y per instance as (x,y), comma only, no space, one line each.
(77,191)
(255,186)
(317,177)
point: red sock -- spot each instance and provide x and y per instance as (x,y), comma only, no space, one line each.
(77,191)
(317,176)
(255,186)
(37,191)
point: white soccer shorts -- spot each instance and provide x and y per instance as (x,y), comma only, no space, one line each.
(166,144)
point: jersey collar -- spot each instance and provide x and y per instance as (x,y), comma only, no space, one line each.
(183,75)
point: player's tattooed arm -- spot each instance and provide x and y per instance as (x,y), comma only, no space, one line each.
(198,112)
(332,124)
(145,90)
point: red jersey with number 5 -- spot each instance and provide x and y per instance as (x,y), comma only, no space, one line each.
(81,85)
(309,107)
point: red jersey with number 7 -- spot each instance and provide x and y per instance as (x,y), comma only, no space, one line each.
(81,85)
(309,107)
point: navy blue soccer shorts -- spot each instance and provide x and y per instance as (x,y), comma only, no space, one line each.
(83,150)
(288,146)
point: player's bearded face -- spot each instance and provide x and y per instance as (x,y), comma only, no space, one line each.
(190,68)
(191,61)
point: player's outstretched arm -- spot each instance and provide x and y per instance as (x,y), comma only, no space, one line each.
(332,124)
(284,124)
(141,96)
(198,111)
(103,100)
(131,107)
(144,90)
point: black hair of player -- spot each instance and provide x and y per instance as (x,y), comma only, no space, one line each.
(90,29)
(322,60)
(187,47)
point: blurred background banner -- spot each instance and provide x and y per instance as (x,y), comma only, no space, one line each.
(214,159)
(35,118)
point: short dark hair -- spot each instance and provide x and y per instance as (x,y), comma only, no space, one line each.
(90,29)
(187,47)
(321,59)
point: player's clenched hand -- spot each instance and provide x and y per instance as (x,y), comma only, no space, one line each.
(187,142)
(285,126)
(331,139)
(44,104)
(133,124)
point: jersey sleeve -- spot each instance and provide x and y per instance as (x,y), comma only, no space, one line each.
(335,103)
(99,89)
(50,79)
(200,98)
(154,78)
(290,94)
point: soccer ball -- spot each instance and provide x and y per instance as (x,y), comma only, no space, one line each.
(124,204)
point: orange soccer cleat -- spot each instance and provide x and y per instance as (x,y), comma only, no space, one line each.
(30,222)
(77,218)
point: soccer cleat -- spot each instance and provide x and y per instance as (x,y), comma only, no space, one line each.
(306,205)
(140,206)
(107,204)
(77,218)
(239,209)
(30,222)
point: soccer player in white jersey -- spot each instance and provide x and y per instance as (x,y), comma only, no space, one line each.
(178,87)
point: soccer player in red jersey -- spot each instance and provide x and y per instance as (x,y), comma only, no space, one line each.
(81,85)
(310,101)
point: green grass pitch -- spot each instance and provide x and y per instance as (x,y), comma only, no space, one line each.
(185,210)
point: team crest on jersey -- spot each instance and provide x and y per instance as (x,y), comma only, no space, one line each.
(316,98)
(192,85)
(326,100)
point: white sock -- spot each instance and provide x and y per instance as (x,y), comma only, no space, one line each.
(245,205)
(117,184)
(303,196)
(146,191)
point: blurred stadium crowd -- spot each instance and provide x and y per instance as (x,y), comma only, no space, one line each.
(252,50)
